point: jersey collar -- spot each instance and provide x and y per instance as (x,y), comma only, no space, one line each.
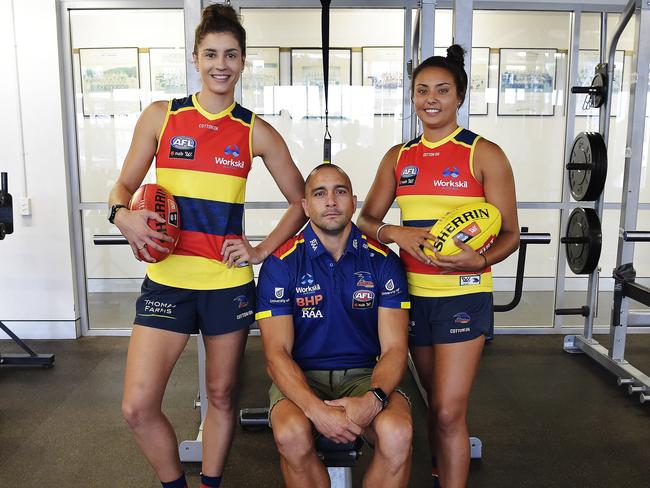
(210,115)
(315,248)
(434,144)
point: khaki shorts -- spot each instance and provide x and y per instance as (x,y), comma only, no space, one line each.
(331,385)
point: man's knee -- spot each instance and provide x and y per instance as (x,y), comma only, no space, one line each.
(395,439)
(293,436)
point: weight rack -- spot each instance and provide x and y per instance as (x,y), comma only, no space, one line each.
(583,235)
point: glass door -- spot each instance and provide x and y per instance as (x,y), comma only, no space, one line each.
(283,83)
(121,60)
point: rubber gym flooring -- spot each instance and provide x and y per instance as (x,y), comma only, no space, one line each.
(546,419)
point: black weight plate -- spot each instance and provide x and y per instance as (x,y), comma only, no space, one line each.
(587,184)
(599,81)
(583,257)
(597,184)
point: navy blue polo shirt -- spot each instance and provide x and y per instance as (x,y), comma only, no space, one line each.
(334,304)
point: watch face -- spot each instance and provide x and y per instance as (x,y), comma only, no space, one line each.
(379,393)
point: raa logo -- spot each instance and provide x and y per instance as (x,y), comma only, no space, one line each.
(232,150)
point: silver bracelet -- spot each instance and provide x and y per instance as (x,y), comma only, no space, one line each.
(378,231)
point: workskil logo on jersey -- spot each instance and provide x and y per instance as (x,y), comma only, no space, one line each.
(182,147)
(307,284)
(231,153)
(451,181)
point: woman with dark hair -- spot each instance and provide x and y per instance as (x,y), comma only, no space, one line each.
(451,296)
(203,145)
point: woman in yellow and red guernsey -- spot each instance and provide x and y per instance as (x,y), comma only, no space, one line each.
(451,296)
(203,146)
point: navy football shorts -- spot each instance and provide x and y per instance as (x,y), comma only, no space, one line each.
(213,312)
(444,320)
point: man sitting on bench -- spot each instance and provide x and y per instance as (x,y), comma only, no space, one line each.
(332,309)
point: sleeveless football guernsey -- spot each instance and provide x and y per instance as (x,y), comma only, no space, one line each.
(203,159)
(432,179)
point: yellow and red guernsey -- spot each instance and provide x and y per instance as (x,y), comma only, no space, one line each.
(432,179)
(203,159)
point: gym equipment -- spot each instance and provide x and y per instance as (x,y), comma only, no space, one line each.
(625,287)
(7,227)
(588,166)
(325,36)
(6,208)
(584,240)
(525,239)
(475,224)
(155,198)
(597,92)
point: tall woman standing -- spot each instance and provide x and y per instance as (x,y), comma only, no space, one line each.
(445,167)
(207,283)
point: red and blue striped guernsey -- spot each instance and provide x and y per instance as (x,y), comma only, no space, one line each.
(203,159)
(432,179)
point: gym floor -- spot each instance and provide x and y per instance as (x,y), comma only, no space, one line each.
(546,419)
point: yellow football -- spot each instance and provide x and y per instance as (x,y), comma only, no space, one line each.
(475,224)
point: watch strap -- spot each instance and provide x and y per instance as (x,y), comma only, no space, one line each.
(113,213)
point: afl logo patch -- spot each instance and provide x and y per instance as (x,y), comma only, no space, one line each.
(363,299)
(408,176)
(182,147)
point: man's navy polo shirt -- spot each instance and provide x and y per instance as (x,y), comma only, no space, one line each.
(334,304)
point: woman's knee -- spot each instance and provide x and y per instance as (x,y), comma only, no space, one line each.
(139,413)
(450,418)
(221,396)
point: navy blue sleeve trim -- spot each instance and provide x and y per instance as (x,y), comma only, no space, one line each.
(413,142)
(466,137)
(242,114)
(178,103)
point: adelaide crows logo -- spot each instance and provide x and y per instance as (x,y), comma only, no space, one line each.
(242,301)
(364,279)
(462,318)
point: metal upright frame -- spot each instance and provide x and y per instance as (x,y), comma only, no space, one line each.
(614,358)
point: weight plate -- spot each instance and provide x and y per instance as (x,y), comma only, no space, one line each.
(599,81)
(584,225)
(587,183)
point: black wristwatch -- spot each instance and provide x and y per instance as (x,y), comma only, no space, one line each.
(381,396)
(113,212)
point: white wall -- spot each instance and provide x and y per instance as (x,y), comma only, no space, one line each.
(36,277)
